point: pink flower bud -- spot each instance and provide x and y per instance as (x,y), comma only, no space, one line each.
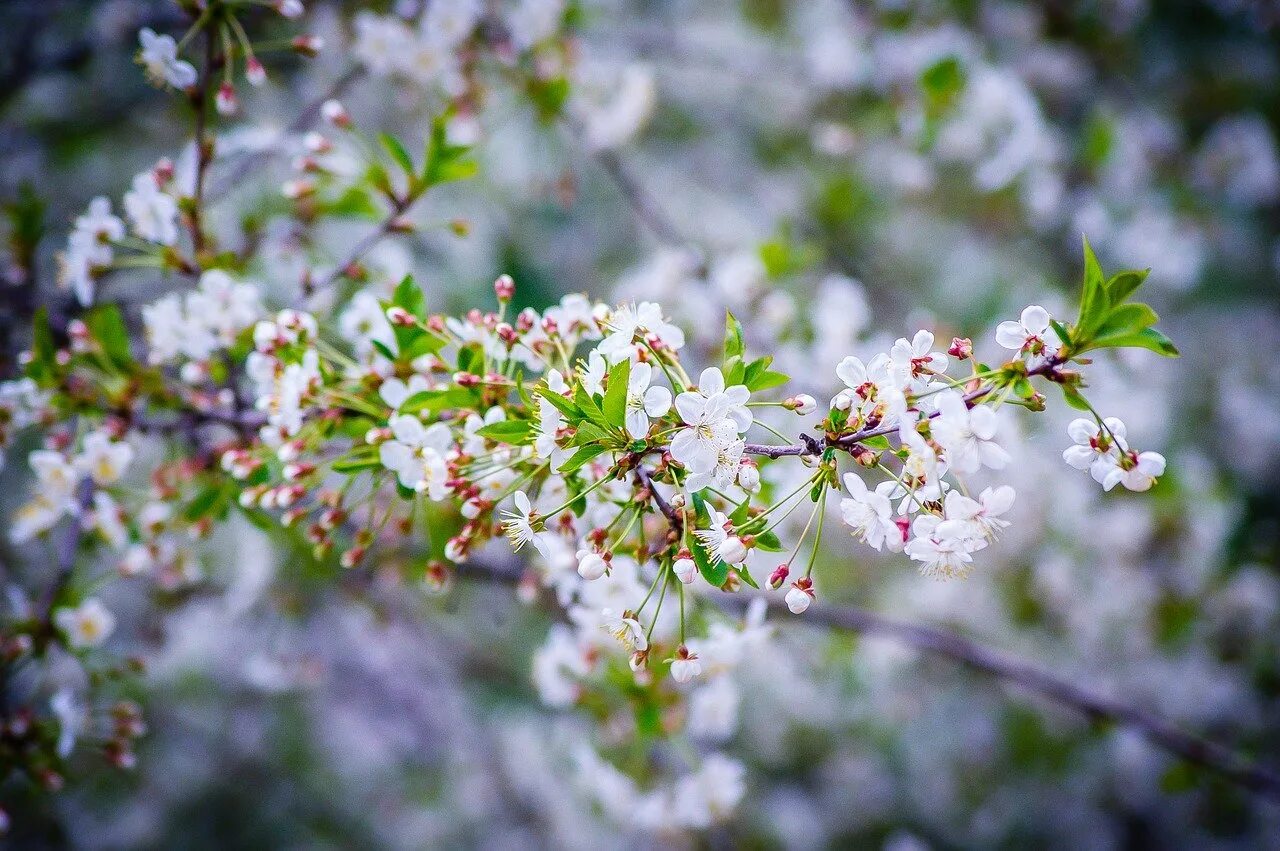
(254,72)
(335,113)
(226,100)
(779,576)
(504,288)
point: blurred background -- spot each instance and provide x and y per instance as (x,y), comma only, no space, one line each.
(839,174)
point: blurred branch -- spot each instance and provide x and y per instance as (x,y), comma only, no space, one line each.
(1004,666)
(250,163)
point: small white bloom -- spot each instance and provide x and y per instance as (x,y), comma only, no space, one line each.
(103,458)
(152,213)
(967,435)
(685,666)
(869,514)
(1095,448)
(626,629)
(86,625)
(798,599)
(644,401)
(159,56)
(628,321)
(1030,333)
(519,525)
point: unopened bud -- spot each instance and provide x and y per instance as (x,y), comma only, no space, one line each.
(779,576)
(307,45)
(226,100)
(254,72)
(961,347)
(335,113)
(504,288)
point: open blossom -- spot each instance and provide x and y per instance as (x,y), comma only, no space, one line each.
(519,526)
(912,362)
(1031,333)
(967,434)
(87,625)
(727,465)
(394,391)
(1095,448)
(868,513)
(416,455)
(644,401)
(713,416)
(627,630)
(152,213)
(719,540)
(159,56)
(942,547)
(983,515)
(685,666)
(104,459)
(629,320)
(1137,471)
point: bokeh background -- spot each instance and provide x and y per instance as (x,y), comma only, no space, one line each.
(839,174)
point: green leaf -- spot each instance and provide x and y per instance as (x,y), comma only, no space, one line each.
(1074,399)
(106,323)
(615,395)
(582,456)
(747,577)
(1147,338)
(1123,284)
(733,345)
(714,572)
(588,406)
(471,358)
(560,403)
(1064,333)
(445,162)
(508,431)
(43,367)
(409,296)
(767,380)
(356,463)
(768,542)
(438,400)
(398,153)
(383,349)
(1126,319)
(1094,302)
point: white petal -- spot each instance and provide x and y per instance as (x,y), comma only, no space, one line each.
(1035,319)
(1010,335)
(1082,430)
(657,401)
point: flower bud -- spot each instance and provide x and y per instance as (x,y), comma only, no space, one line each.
(732,550)
(800,595)
(843,401)
(779,576)
(335,113)
(504,288)
(638,660)
(226,100)
(961,347)
(803,404)
(291,9)
(685,567)
(307,45)
(397,315)
(592,566)
(254,72)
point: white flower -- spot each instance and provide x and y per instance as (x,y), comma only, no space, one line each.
(1030,333)
(685,569)
(863,382)
(416,455)
(911,361)
(967,435)
(983,515)
(394,391)
(941,547)
(713,416)
(719,541)
(591,565)
(593,375)
(87,625)
(685,666)
(519,526)
(626,629)
(798,599)
(1138,471)
(103,458)
(1096,449)
(363,322)
(152,213)
(106,518)
(629,320)
(869,514)
(223,305)
(727,464)
(159,56)
(550,421)
(711,794)
(644,401)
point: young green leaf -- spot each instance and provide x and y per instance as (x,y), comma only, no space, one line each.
(398,153)
(508,431)
(615,395)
